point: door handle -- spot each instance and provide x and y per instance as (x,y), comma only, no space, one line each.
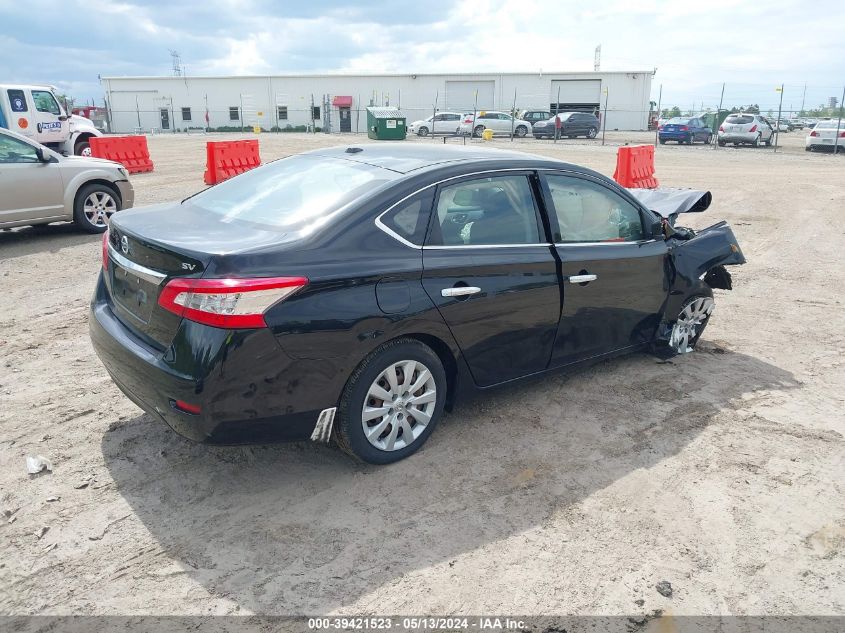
(582,279)
(460,291)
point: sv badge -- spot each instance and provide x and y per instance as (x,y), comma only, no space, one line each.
(187,266)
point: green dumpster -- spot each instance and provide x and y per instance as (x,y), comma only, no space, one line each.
(385,124)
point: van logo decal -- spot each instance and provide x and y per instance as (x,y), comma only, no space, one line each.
(124,245)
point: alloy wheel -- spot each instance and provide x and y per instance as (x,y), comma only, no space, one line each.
(99,207)
(690,324)
(399,404)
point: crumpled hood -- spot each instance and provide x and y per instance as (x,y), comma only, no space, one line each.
(670,202)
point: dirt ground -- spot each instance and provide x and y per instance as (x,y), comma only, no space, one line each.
(720,472)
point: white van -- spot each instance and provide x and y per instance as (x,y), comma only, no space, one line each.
(35,112)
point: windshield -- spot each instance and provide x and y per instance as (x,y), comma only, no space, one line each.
(291,194)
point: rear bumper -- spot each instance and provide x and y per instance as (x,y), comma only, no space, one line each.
(127,194)
(675,136)
(735,137)
(248,389)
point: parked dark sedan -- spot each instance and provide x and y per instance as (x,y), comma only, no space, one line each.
(353,293)
(572,124)
(685,130)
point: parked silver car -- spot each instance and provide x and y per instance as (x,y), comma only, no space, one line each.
(498,122)
(745,128)
(40,186)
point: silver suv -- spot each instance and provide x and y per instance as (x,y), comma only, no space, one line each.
(40,186)
(746,128)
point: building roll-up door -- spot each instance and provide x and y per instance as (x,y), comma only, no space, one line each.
(460,95)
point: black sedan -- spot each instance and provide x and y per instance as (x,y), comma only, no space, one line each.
(352,294)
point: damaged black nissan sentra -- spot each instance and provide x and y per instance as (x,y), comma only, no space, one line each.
(350,294)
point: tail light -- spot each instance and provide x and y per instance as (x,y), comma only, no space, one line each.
(227,303)
(814,133)
(721,128)
(106,250)
(842,135)
(684,128)
(753,128)
(468,119)
(659,128)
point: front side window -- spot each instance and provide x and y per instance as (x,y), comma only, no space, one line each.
(486,211)
(14,151)
(45,102)
(590,212)
(234,113)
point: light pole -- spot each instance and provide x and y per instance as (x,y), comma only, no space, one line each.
(604,118)
(780,107)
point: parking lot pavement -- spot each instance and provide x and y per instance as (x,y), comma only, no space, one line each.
(720,472)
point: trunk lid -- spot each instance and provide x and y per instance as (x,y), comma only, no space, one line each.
(150,246)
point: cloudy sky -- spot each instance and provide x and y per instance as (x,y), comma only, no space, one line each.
(695,46)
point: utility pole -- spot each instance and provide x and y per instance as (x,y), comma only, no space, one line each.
(803,96)
(839,124)
(780,109)
(657,126)
(313,128)
(716,121)
(434,113)
(513,113)
(557,108)
(604,118)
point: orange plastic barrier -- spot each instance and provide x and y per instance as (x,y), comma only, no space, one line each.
(225,159)
(129,151)
(635,167)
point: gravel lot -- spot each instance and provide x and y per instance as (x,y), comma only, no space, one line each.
(720,472)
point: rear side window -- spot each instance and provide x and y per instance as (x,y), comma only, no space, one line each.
(45,102)
(17,101)
(409,219)
(589,212)
(486,211)
(739,119)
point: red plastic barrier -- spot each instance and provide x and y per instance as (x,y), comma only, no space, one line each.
(635,167)
(225,159)
(129,151)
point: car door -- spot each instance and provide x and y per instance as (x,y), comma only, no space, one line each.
(438,125)
(614,274)
(578,124)
(30,188)
(490,271)
(51,124)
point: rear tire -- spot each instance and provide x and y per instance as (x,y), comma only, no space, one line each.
(592,132)
(370,386)
(721,143)
(756,142)
(93,206)
(478,130)
(521,131)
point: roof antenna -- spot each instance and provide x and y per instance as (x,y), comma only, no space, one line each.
(354,150)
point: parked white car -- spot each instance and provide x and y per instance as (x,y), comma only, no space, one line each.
(499,122)
(745,128)
(443,123)
(823,137)
(40,186)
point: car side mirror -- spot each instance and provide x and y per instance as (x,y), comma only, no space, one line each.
(42,157)
(657,229)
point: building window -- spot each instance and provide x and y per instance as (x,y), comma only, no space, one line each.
(315,113)
(234,113)
(186,114)
(283,113)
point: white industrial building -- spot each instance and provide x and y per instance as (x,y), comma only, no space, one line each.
(279,101)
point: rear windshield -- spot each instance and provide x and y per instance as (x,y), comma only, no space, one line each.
(739,118)
(828,125)
(291,194)
(678,121)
